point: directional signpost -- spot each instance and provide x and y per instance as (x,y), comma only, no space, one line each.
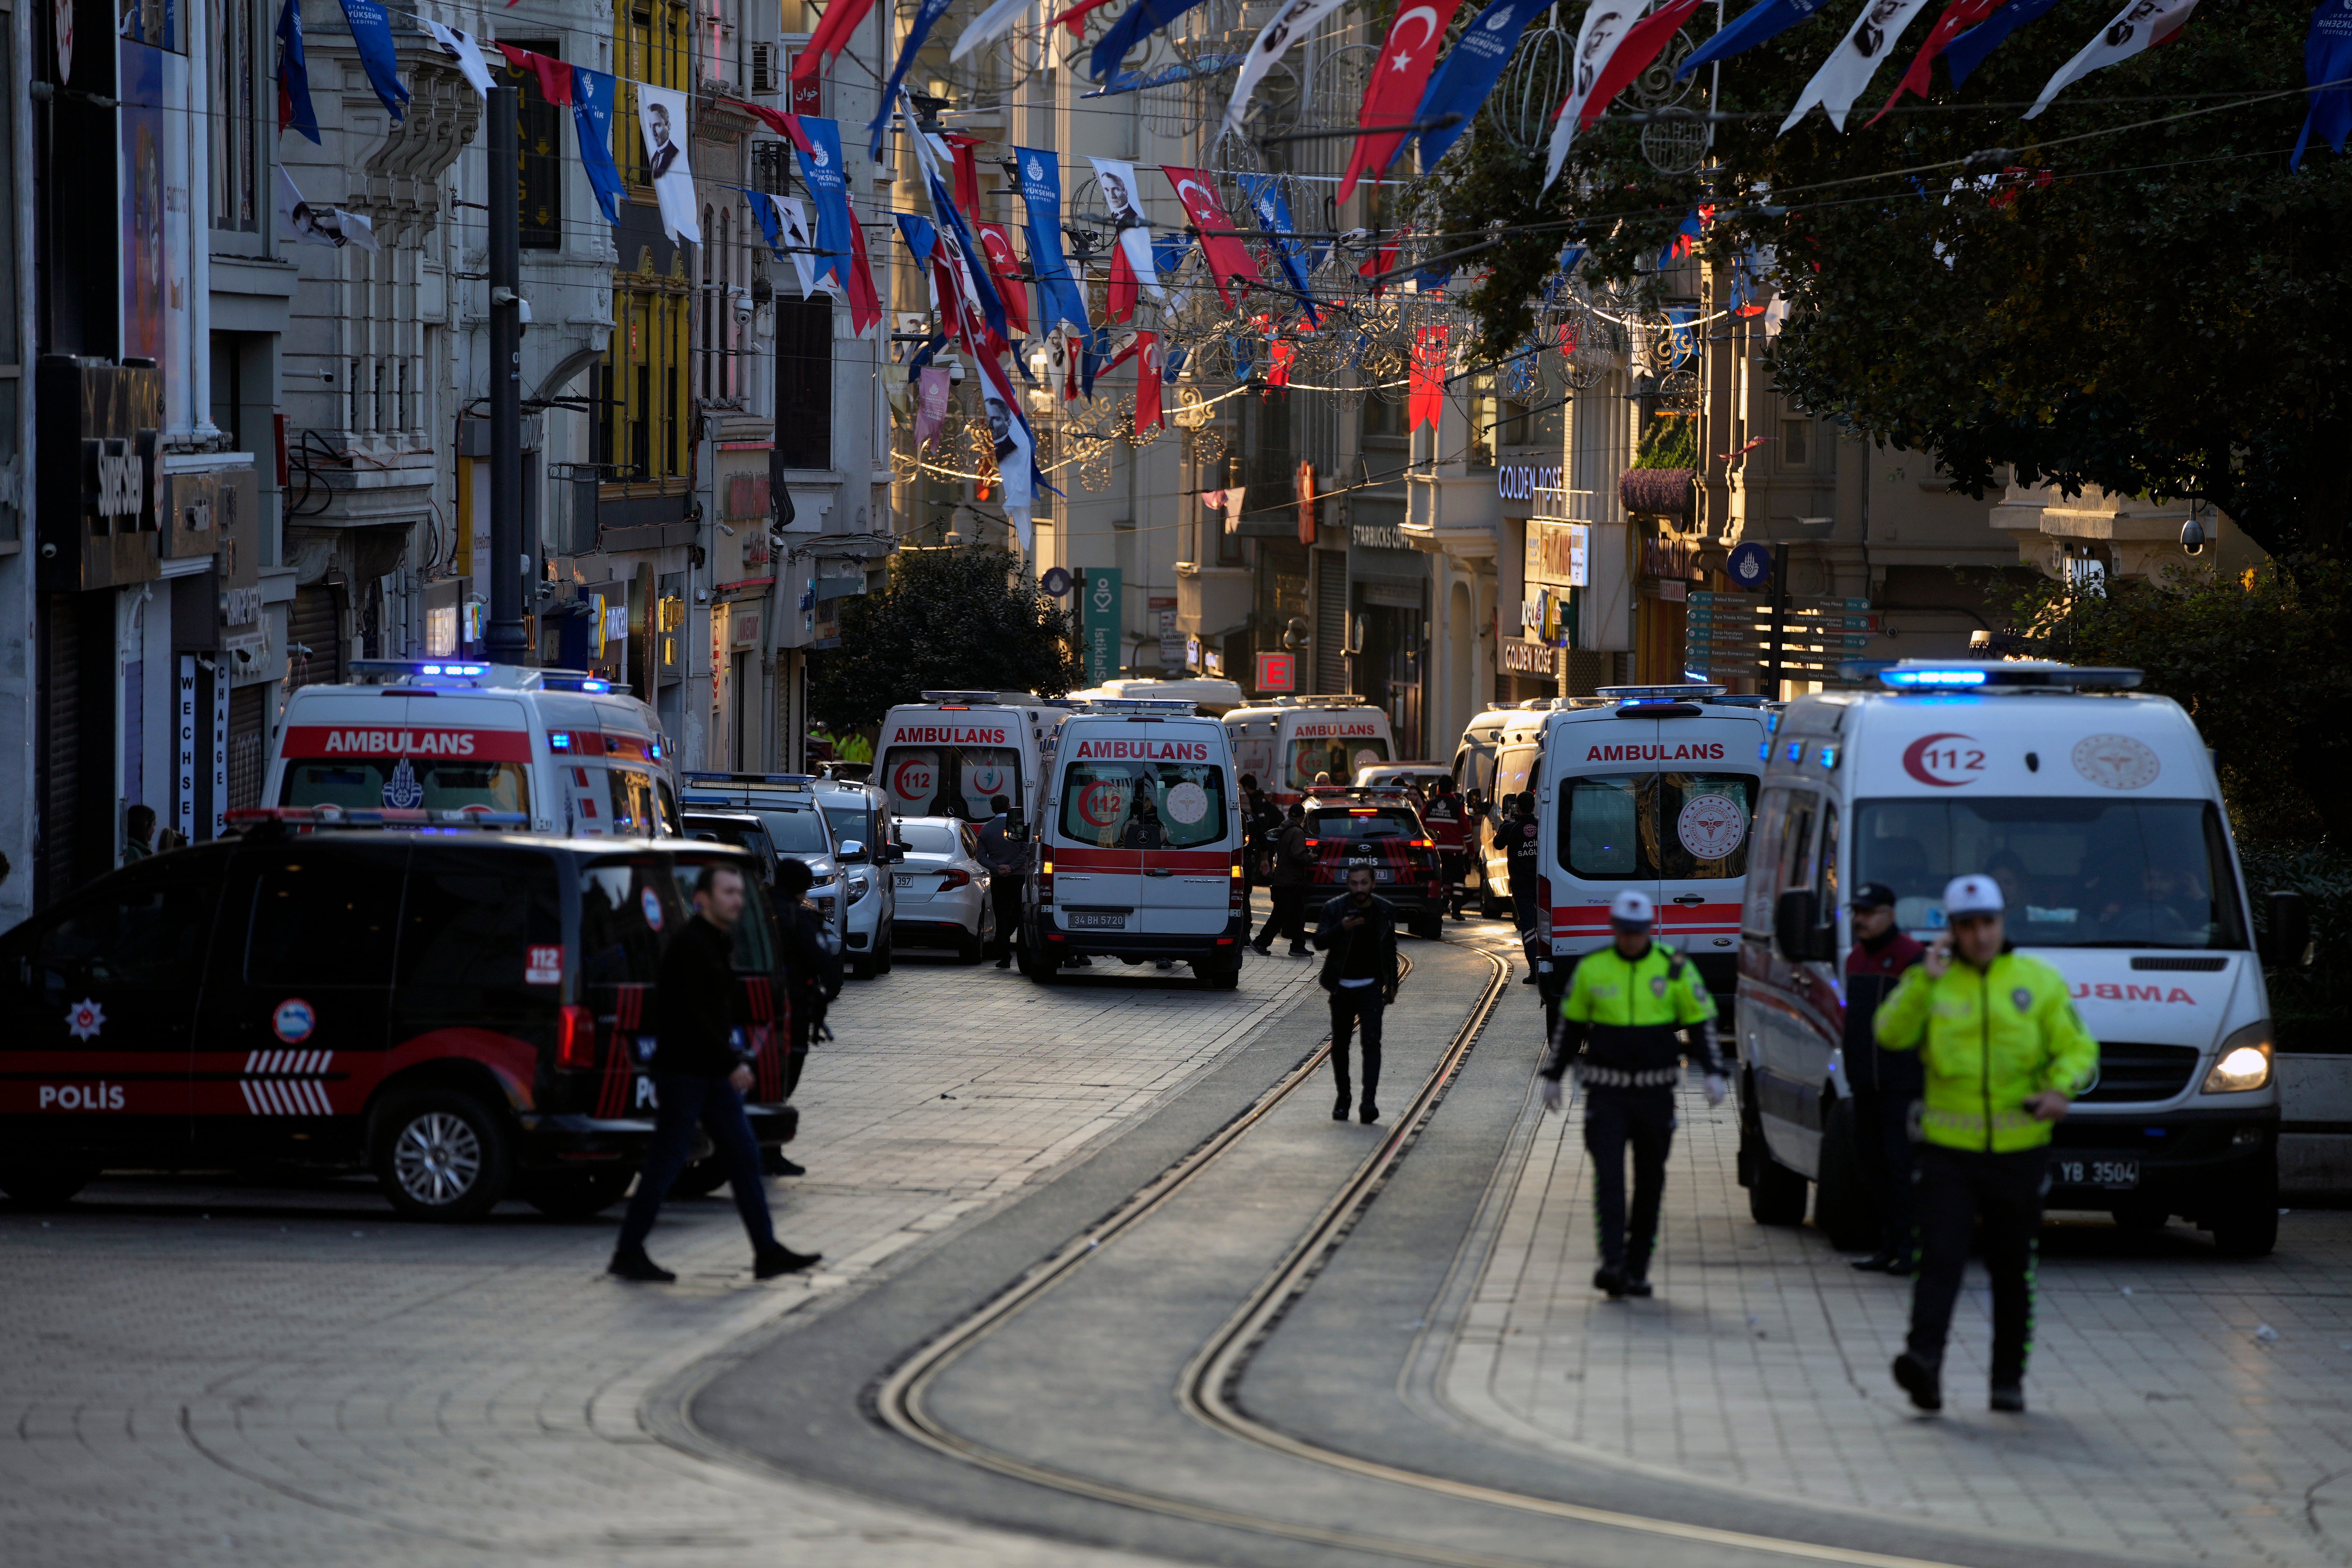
(1732,634)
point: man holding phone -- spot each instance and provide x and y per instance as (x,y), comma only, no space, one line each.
(2003,1054)
(1358,939)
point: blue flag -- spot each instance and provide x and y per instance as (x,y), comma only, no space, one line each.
(294,111)
(1059,297)
(771,227)
(921,236)
(1754,25)
(1264,194)
(372,35)
(592,116)
(2327,58)
(829,193)
(1470,72)
(926,18)
(1140,21)
(1967,51)
(1168,253)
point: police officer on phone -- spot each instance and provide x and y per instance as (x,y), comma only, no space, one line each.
(1625,1004)
(2003,1054)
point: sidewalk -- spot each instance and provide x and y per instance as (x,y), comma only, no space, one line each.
(2184,1407)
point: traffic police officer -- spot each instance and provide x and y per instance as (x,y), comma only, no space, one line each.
(1624,1004)
(1521,839)
(2003,1054)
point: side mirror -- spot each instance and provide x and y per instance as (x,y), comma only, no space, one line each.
(1017,825)
(853,849)
(2290,932)
(889,854)
(1797,930)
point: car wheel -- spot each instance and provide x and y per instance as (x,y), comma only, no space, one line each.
(1842,1205)
(441,1155)
(2144,1219)
(882,964)
(576,1194)
(970,949)
(1489,906)
(1776,1194)
(47,1189)
(861,968)
(2249,1226)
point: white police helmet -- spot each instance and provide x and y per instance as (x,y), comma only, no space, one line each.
(1632,908)
(1973,894)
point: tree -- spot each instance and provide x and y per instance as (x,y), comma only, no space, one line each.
(957,619)
(2131,290)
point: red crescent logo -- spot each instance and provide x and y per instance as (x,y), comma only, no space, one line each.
(1916,761)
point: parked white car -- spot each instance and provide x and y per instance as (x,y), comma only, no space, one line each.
(942,889)
(859,815)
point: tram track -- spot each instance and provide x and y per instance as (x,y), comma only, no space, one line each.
(1209,1387)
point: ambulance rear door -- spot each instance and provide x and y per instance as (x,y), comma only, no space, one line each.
(1600,823)
(1705,800)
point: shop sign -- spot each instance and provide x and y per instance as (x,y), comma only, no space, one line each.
(1376,536)
(1519,481)
(1520,658)
(1098,625)
(1559,552)
(1277,672)
(1669,558)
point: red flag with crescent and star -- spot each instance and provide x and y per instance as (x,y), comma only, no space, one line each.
(1958,18)
(1399,79)
(1425,397)
(996,241)
(1144,349)
(1220,242)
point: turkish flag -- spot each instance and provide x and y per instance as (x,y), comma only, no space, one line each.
(996,243)
(1425,397)
(787,126)
(1958,18)
(1220,242)
(554,76)
(1393,94)
(1123,286)
(1147,381)
(832,37)
(865,304)
(1075,17)
(1278,370)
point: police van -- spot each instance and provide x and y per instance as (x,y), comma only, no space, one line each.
(561,748)
(2098,811)
(953,753)
(1138,849)
(1286,742)
(1651,787)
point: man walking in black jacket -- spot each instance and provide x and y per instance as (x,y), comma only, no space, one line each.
(1007,859)
(1358,939)
(699,1077)
(1293,863)
(1886,1082)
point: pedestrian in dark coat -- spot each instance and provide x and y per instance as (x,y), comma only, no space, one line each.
(1007,859)
(702,1071)
(1294,867)
(1358,939)
(1886,1083)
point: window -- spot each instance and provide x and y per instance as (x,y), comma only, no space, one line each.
(1679,826)
(951,781)
(1513,768)
(1143,805)
(12,352)
(631,910)
(235,167)
(325,919)
(146,929)
(474,917)
(933,838)
(640,386)
(434,783)
(852,822)
(1485,418)
(540,172)
(1796,443)
(798,831)
(634,814)
(1340,759)
(2073,873)
(1703,825)
(804,381)
(709,335)
(1361,825)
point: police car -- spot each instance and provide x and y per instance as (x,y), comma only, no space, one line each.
(560,747)
(2097,810)
(466,1013)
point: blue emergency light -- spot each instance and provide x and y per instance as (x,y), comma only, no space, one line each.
(1989,675)
(1932,677)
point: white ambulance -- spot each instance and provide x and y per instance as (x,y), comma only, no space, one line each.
(1496,757)
(1286,742)
(1652,787)
(953,753)
(1138,849)
(2098,811)
(561,747)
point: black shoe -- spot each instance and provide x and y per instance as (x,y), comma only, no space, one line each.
(1920,1381)
(1611,1280)
(1263,949)
(1904,1265)
(1528,979)
(1339,1111)
(1004,964)
(2009,1398)
(783,1260)
(636,1265)
(782,1165)
(1299,952)
(1636,1285)
(1876,1263)
(1370,1113)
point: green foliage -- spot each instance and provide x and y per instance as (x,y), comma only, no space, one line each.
(2162,316)
(948,619)
(1668,443)
(2305,998)
(2262,664)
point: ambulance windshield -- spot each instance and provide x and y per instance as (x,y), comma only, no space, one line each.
(1143,805)
(2072,872)
(433,783)
(1339,757)
(951,781)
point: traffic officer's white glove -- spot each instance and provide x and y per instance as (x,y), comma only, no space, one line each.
(1551,1094)
(1718,1086)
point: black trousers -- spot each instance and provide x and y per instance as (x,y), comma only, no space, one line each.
(1357,1009)
(686,1099)
(1004,892)
(1615,1119)
(1957,1189)
(1882,1131)
(1289,917)
(1522,909)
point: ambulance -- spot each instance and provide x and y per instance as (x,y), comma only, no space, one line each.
(1651,787)
(1497,757)
(1138,849)
(2098,811)
(953,753)
(1287,741)
(561,747)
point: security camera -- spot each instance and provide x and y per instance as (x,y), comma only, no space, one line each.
(2192,537)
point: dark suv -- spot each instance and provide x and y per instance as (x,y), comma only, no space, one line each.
(466,1013)
(1381,830)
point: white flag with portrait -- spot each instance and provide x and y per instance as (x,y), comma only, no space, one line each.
(1124,201)
(1854,61)
(318,226)
(661,116)
(2137,28)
